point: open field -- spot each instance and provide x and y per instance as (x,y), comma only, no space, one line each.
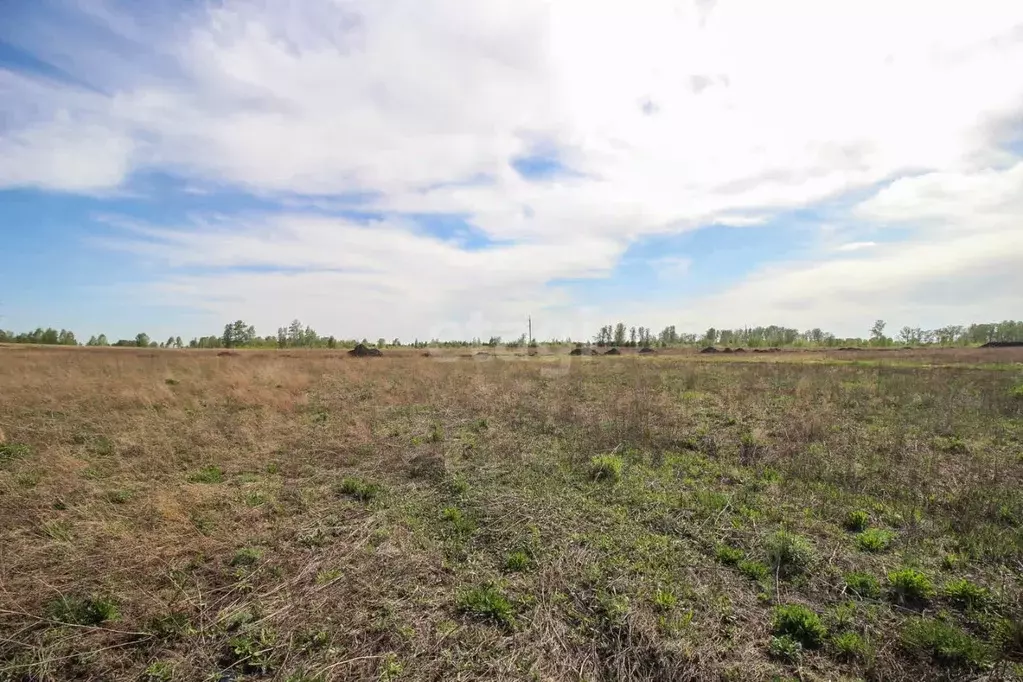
(175,515)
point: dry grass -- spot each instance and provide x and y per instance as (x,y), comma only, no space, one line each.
(306,516)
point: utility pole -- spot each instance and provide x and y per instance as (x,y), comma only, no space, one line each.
(530,322)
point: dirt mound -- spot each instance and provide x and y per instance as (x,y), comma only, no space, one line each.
(364,351)
(646,350)
(851,348)
(727,350)
(710,349)
(613,351)
(767,350)
(226,354)
(1003,344)
(594,351)
(426,354)
(576,351)
(483,354)
(740,350)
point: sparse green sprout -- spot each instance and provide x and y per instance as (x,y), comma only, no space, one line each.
(1017,392)
(857,521)
(946,643)
(488,603)
(58,530)
(606,467)
(328,575)
(78,610)
(436,432)
(910,585)
(390,668)
(851,646)
(159,671)
(12,451)
(246,556)
(516,561)
(117,496)
(874,540)
(729,555)
(800,623)
(209,474)
(785,648)
(665,600)
(254,650)
(754,570)
(789,553)
(953,445)
(360,490)
(170,382)
(863,585)
(965,593)
(460,524)
(952,561)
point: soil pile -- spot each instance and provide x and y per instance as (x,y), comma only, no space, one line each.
(646,350)
(1003,344)
(364,351)
(740,350)
(576,351)
(226,354)
(613,351)
(710,349)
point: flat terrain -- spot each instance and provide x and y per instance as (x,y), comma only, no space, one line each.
(176,515)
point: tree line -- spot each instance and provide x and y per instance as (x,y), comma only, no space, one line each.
(773,335)
(238,334)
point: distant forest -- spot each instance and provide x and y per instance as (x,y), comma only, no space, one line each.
(238,334)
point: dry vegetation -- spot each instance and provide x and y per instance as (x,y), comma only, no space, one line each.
(306,516)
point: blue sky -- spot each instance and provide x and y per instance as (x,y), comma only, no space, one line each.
(436,169)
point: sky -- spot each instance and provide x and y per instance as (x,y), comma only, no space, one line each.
(444,169)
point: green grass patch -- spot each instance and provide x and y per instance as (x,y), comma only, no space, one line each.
(908,585)
(208,474)
(946,643)
(246,557)
(12,451)
(82,610)
(488,603)
(788,553)
(730,556)
(851,646)
(516,562)
(863,585)
(799,623)
(856,521)
(965,593)
(754,570)
(606,467)
(874,540)
(359,489)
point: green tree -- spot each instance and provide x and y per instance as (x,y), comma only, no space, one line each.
(142,340)
(877,333)
(101,340)
(619,335)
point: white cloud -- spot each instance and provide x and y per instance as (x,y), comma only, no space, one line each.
(856,246)
(672,115)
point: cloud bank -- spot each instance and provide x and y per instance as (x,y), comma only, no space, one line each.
(559,134)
